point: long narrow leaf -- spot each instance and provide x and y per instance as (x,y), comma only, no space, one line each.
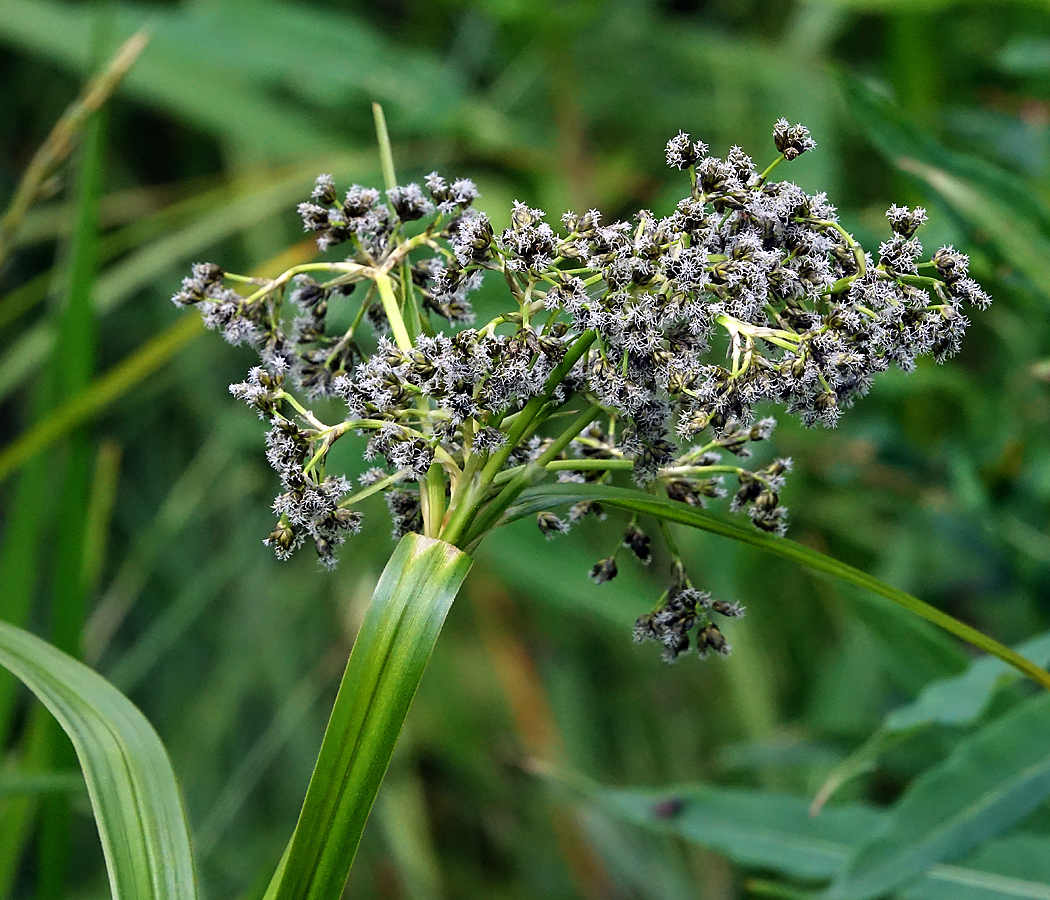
(398,634)
(129,777)
(156,259)
(74,364)
(548,496)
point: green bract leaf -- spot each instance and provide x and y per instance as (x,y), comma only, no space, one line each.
(992,780)
(129,777)
(398,634)
(548,496)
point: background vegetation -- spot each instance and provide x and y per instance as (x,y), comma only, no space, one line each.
(135,493)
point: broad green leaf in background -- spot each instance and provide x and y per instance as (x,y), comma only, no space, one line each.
(957,701)
(991,781)
(961,700)
(547,496)
(398,634)
(1026,56)
(774,833)
(887,6)
(129,777)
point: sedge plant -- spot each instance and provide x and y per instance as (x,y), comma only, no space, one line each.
(623,375)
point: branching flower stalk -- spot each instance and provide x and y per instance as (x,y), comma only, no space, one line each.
(638,347)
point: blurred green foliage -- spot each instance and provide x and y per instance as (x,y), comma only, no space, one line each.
(938,482)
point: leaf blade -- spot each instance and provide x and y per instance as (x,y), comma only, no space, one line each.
(133,792)
(957,701)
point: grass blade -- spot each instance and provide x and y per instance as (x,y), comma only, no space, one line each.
(156,259)
(74,365)
(109,387)
(253,765)
(548,496)
(116,382)
(129,777)
(59,142)
(398,634)
(99,513)
(49,782)
(199,481)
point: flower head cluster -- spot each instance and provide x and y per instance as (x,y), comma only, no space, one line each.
(684,610)
(640,347)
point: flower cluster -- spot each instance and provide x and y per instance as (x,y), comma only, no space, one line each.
(639,347)
(684,609)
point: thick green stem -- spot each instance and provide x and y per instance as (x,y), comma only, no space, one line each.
(769,169)
(533,407)
(465,505)
(435,504)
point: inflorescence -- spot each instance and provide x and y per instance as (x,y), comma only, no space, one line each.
(639,346)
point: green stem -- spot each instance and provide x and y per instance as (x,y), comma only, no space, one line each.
(466,498)
(533,407)
(571,465)
(272,285)
(393,314)
(380,485)
(618,465)
(858,251)
(769,169)
(435,489)
(531,473)
(569,434)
